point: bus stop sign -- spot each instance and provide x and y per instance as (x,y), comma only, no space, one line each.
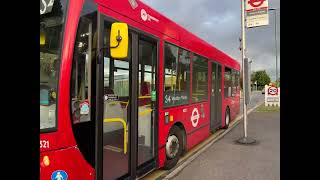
(255,3)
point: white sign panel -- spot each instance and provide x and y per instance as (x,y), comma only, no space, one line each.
(256,13)
(272,96)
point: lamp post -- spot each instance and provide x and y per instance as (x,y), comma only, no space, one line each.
(275,38)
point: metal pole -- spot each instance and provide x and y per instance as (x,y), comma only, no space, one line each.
(243,47)
(275,37)
(245,139)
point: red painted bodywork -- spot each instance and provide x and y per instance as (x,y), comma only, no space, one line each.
(63,151)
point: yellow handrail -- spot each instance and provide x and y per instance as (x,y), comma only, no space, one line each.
(145,112)
(144,97)
(117,102)
(198,94)
(127,102)
(124,130)
(140,97)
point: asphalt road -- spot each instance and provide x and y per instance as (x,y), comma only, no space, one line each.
(256,97)
(226,160)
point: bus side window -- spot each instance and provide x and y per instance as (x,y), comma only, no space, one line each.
(177,75)
(227,82)
(82,84)
(81,72)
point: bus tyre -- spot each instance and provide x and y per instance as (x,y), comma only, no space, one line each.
(226,119)
(173,147)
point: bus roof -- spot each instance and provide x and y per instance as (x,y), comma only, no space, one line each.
(146,16)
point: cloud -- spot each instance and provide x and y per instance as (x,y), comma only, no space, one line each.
(219,23)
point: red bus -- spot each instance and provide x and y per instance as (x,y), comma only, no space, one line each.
(105,117)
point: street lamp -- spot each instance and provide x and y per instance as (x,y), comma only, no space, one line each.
(275,38)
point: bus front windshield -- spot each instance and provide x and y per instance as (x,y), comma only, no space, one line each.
(52,19)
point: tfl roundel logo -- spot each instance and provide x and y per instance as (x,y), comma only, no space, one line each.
(144,15)
(195,116)
(255,3)
(273,91)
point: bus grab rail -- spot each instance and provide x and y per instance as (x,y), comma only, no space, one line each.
(147,111)
(108,120)
(140,97)
(124,130)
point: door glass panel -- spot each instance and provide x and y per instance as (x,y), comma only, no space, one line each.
(115,117)
(81,72)
(213,79)
(219,95)
(146,105)
(213,97)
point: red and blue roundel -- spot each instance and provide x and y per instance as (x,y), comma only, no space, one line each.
(256,3)
(59,175)
(273,91)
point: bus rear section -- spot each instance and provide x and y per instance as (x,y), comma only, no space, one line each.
(194,102)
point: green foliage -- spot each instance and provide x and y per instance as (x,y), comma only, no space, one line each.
(261,77)
(48,63)
(264,108)
(278,82)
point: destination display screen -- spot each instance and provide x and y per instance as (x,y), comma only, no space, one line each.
(46,6)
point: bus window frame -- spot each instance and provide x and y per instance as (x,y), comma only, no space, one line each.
(232,69)
(65,19)
(164,75)
(208,61)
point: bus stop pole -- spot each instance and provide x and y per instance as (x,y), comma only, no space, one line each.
(245,139)
(243,48)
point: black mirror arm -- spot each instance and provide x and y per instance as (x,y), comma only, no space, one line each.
(100,53)
(118,38)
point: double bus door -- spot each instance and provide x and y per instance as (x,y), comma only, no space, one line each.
(215,96)
(128,104)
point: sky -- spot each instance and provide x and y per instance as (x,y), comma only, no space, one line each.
(219,23)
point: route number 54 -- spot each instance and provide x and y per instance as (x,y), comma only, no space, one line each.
(47,6)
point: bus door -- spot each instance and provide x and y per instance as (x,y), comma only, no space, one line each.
(128,102)
(215,97)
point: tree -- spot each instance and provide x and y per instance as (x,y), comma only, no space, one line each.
(261,77)
(253,74)
(278,82)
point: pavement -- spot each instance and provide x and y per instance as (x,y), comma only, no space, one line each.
(226,160)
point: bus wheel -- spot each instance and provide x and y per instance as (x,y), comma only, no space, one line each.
(173,147)
(226,119)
